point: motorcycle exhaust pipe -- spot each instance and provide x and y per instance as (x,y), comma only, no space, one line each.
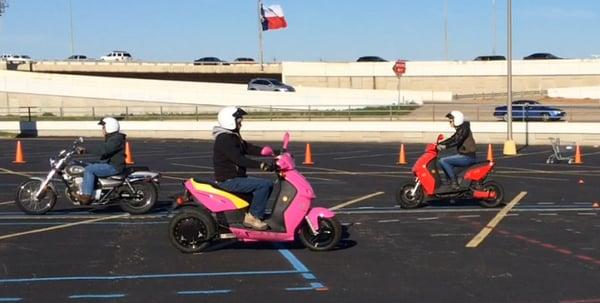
(480,194)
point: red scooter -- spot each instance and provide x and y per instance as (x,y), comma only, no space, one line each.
(473,183)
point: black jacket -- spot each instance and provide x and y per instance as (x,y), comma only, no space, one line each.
(112,151)
(463,140)
(229,155)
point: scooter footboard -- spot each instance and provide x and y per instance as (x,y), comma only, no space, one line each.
(312,218)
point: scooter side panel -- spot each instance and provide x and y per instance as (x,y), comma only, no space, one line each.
(421,171)
(214,199)
(315,213)
(478,173)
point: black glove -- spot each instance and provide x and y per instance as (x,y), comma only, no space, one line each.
(278,151)
(441,147)
(80,150)
(267,166)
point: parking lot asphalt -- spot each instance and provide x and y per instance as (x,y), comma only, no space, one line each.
(546,248)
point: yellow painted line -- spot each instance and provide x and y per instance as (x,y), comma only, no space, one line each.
(356,200)
(8,171)
(492,224)
(35,231)
(7,202)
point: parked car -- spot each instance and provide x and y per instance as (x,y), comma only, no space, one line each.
(529,110)
(117,56)
(541,56)
(490,58)
(210,61)
(15,59)
(371,59)
(77,58)
(268,84)
(244,60)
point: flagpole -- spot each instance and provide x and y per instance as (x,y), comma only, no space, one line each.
(260,35)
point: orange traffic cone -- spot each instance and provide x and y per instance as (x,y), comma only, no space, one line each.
(402,156)
(128,154)
(578,156)
(308,156)
(596,205)
(490,153)
(19,159)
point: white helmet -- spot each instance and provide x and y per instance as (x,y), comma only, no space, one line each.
(111,125)
(227,117)
(457,117)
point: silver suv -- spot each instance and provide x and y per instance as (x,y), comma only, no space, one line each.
(268,84)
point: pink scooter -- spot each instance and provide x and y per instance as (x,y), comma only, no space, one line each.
(207,213)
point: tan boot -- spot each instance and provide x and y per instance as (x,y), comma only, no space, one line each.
(254,223)
(84,199)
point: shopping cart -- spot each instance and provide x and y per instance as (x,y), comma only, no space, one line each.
(559,153)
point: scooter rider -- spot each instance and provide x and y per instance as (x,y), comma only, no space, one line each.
(112,158)
(230,163)
(463,140)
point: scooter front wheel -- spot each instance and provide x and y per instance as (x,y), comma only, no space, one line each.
(191,230)
(326,238)
(406,199)
(27,202)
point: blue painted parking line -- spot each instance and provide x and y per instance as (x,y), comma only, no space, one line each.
(301,268)
(313,286)
(293,260)
(308,276)
(11,299)
(204,292)
(97,296)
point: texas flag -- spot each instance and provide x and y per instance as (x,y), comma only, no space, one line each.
(272,17)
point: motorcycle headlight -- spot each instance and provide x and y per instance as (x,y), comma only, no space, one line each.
(52,162)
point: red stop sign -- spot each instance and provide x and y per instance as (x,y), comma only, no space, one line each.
(399,67)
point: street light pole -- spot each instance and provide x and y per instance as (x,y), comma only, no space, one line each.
(446,30)
(71,25)
(494,27)
(509,145)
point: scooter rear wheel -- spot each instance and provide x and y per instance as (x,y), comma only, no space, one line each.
(327,237)
(492,186)
(191,230)
(405,199)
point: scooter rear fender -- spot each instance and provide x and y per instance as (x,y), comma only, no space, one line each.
(312,218)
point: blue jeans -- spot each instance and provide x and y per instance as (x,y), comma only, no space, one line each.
(449,163)
(260,189)
(93,171)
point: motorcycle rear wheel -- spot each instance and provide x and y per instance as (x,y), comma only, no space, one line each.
(147,196)
(405,199)
(191,230)
(26,201)
(492,186)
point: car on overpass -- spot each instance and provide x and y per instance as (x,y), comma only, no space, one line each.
(371,59)
(77,58)
(210,61)
(117,56)
(242,60)
(269,84)
(528,110)
(15,59)
(490,58)
(541,56)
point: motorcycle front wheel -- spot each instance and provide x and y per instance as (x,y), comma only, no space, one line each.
(405,199)
(27,202)
(142,199)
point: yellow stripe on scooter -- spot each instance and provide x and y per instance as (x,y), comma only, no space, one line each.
(237,201)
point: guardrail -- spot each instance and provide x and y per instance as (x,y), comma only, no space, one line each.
(334,112)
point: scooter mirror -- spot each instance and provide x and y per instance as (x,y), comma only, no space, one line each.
(80,139)
(267,151)
(286,140)
(440,138)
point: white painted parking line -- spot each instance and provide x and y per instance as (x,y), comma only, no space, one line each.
(501,175)
(8,171)
(35,231)
(388,221)
(492,224)
(173,178)
(547,214)
(469,216)
(427,219)
(193,166)
(545,203)
(357,200)
(363,157)
(7,202)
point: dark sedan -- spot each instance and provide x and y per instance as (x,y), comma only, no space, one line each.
(529,110)
(210,61)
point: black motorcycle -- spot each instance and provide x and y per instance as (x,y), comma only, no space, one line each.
(136,190)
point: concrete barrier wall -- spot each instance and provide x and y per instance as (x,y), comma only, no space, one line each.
(181,92)
(589,92)
(421,132)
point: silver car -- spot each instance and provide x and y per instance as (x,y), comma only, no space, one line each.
(268,84)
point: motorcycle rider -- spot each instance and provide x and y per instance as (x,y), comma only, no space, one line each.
(230,164)
(463,140)
(112,158)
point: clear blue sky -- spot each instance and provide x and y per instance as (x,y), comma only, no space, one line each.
(183,30)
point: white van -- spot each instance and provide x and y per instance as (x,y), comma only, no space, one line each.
(117,56)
